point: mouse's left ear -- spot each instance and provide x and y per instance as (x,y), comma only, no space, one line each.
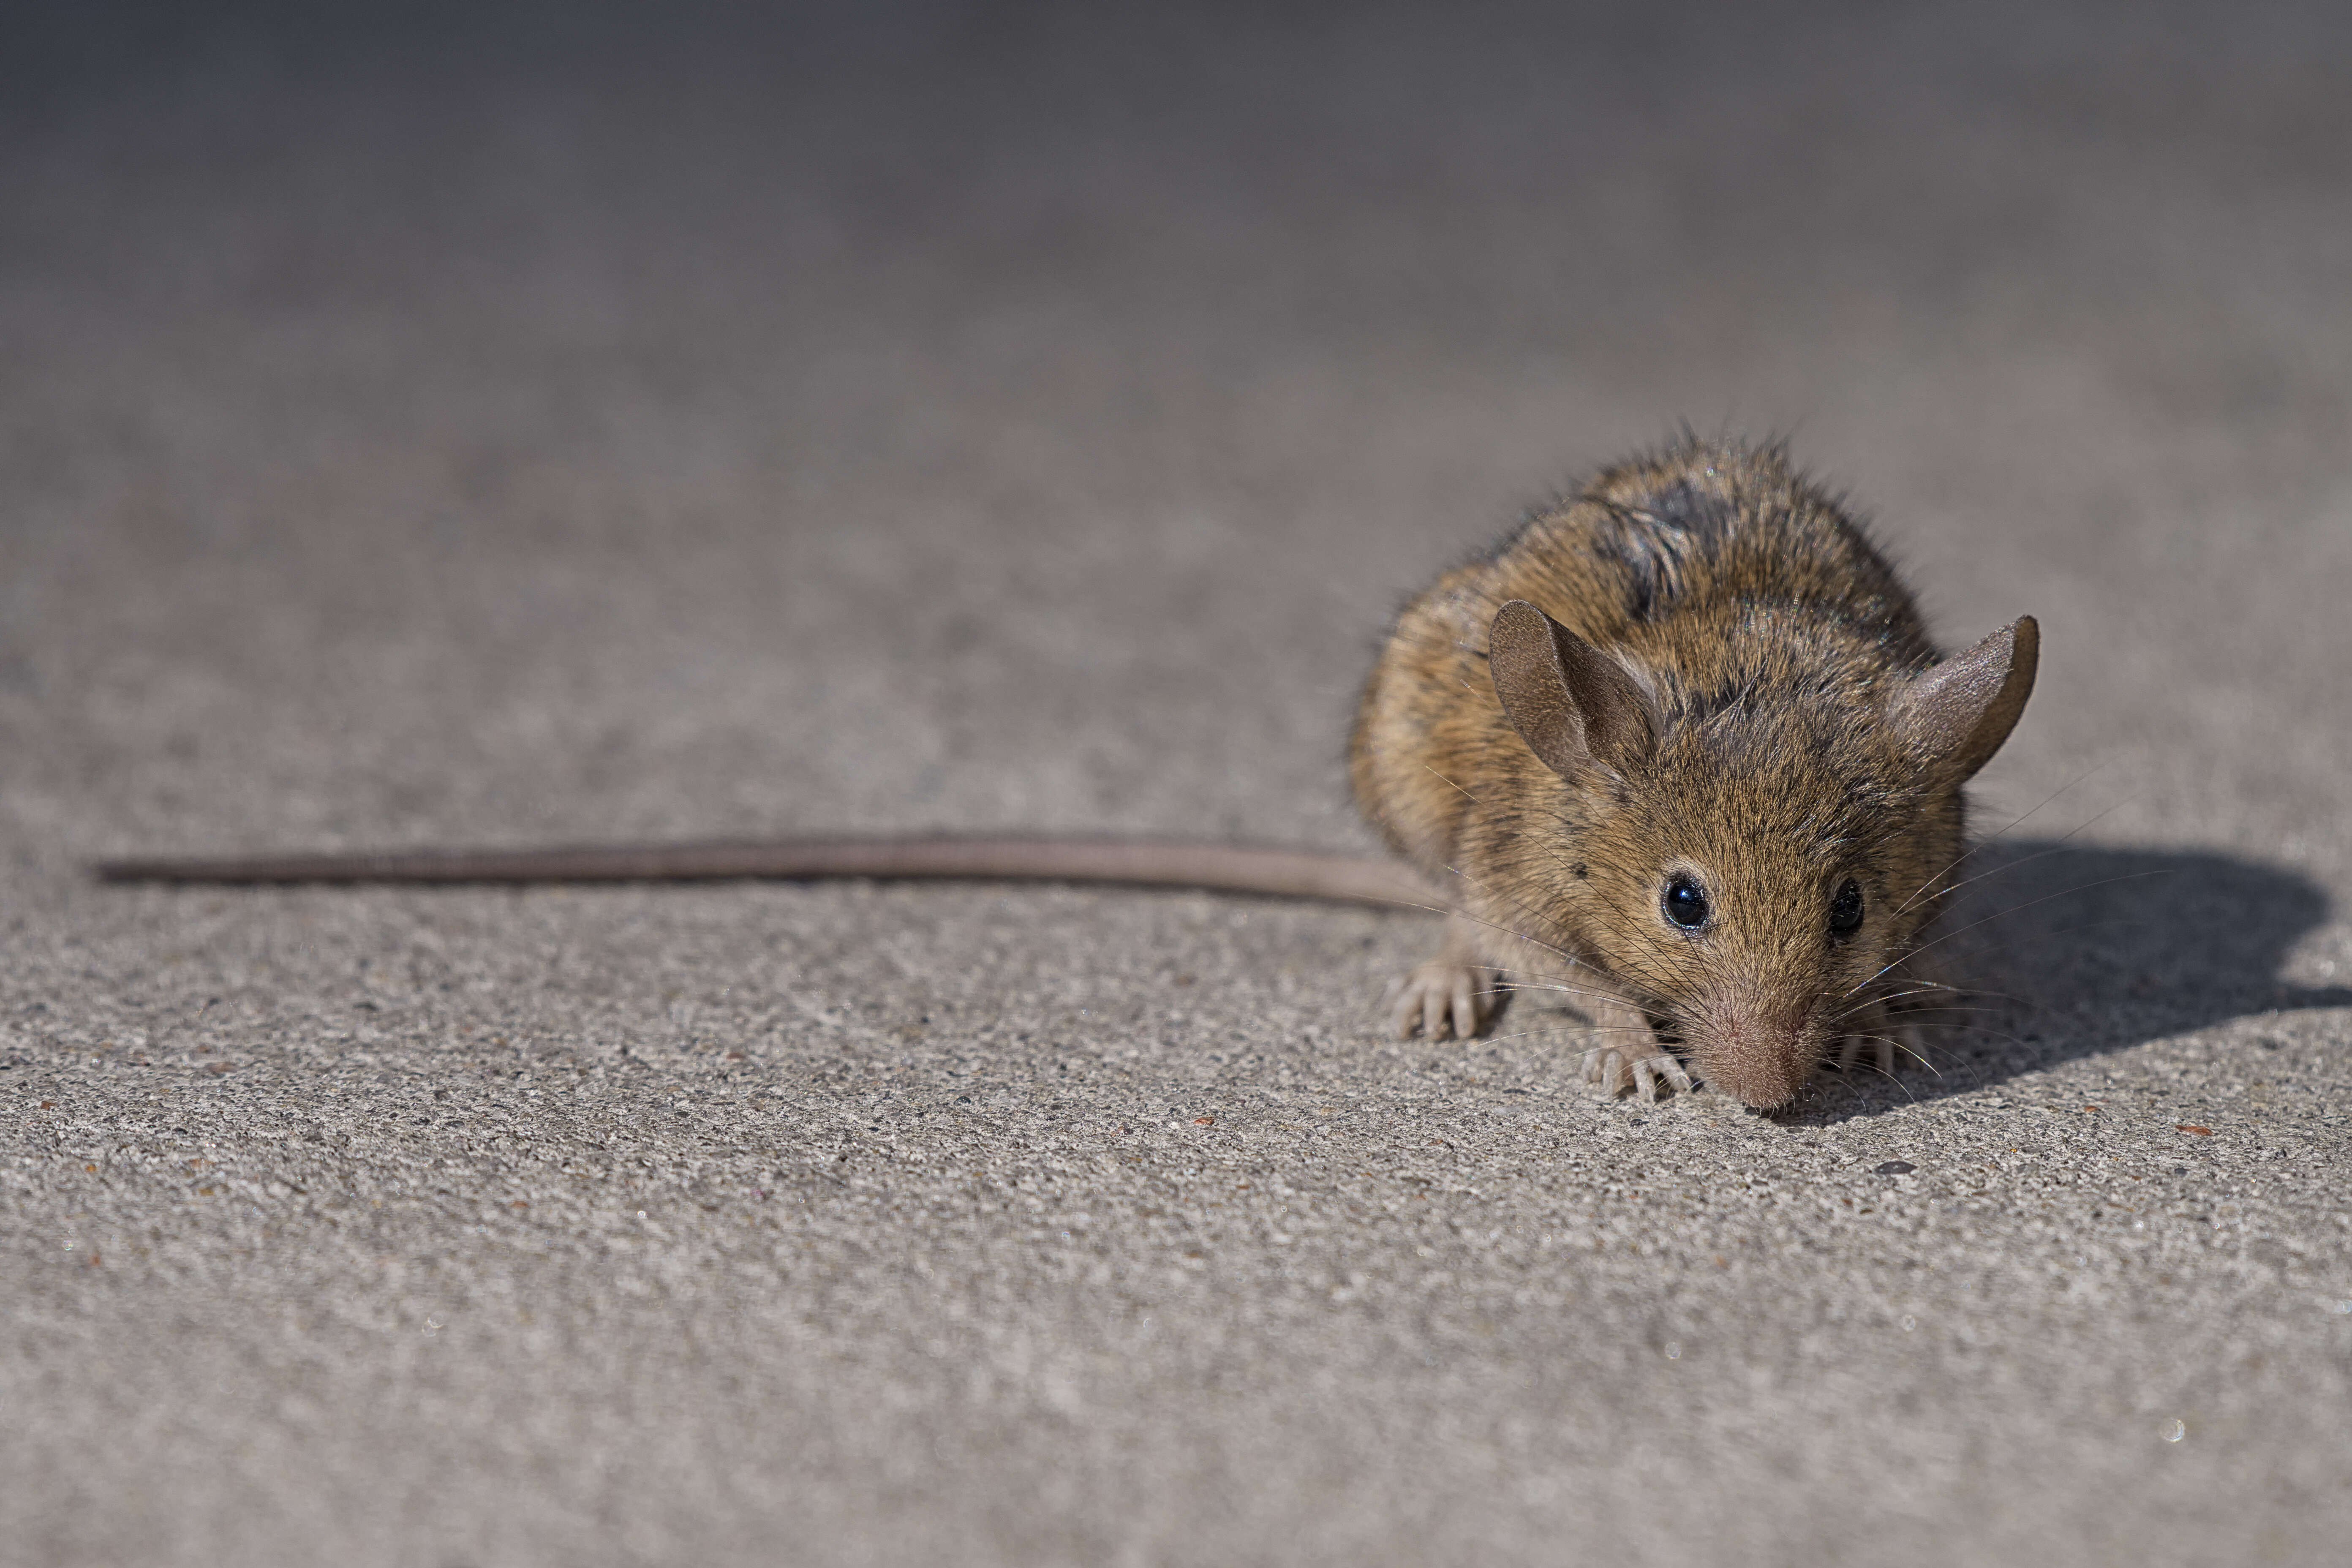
(1956,714)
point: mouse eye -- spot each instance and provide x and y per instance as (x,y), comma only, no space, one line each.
(1685,902)
(1845,910)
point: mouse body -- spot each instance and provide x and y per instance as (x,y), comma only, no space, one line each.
(1688,758)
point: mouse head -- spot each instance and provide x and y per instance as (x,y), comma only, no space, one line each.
(1751,864)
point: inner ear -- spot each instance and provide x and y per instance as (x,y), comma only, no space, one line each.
(1956,714)
(1572,704)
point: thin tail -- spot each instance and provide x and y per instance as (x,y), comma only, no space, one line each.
(1221,867)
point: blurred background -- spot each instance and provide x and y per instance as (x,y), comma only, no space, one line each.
(503,421)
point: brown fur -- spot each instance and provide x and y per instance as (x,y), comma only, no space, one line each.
(1779,661)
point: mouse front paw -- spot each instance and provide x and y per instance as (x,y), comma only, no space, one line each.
(1641,1067)
(1900,1039)
(1443,998)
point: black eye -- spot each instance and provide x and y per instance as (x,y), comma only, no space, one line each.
(1845,910)
(1685,902)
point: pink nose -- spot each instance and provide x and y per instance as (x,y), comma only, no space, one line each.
(1758,1058)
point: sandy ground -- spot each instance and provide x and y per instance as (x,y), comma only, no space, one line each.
(525,427)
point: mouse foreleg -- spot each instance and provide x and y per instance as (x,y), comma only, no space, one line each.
(1634,1057)
(1898,1027)
(1462,991)
(1894,1029)
(1455,994)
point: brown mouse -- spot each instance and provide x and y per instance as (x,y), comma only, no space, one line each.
(1687,750)
(1680,749)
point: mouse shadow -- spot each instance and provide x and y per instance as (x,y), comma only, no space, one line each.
(2071,951)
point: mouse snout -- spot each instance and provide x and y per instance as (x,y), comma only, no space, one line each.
(1759,1052)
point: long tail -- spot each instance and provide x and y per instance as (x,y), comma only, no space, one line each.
(1238,869)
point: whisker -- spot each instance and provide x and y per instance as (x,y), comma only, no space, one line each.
(1495,925)
(1901,1048)
(1443,779)
(1518,985)
(2003,914)
(2007,828)
(1539,980)
(1988,1034)
(2011,997)
(2061,848)
(1891,1078)
(1887,997)
(2017,822)
(1569,1029)
(1890,997)
(1922,1015)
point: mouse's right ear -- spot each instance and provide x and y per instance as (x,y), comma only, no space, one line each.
(1572,704)
(1956,714)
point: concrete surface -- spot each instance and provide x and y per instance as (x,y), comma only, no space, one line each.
(516,426)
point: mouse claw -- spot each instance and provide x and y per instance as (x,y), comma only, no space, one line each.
(1910,1040)
(1606,1068)
(1441,999)
(1611,1069)
(1645,1083)
(1905,1040)
(1650,1071)
(1465,998)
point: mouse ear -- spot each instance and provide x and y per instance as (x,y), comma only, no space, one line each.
(1572,704)
(1956,714)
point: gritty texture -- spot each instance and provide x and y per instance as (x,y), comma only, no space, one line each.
(538,425)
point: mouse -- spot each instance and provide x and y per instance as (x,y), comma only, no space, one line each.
(1685,747)
(1678,751)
